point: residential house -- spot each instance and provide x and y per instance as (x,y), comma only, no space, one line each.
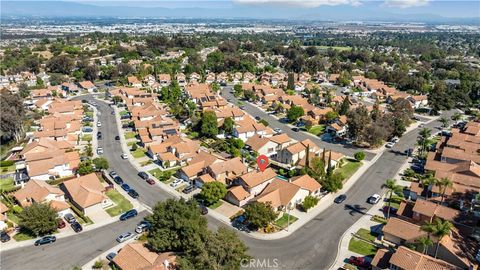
(248,127)
(419,101)
(226,171)
(238,196)
(401,232)
(210,78)
(295,152)
(181,79)
(87,193)
(308,183)
(255,181)
(3,216)
(262,145)
(282,195)
(88,86)
(165,79)
(133,81)
(135,256)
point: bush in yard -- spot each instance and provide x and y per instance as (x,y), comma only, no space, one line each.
(212,192)
(85,167)
(260,214)
(134,147)
(38,219)
(294,113)
(6,163)
(98,264)
(359,156)
(100,163)
(309,202)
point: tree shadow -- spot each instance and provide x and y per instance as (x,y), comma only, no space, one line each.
(356,208)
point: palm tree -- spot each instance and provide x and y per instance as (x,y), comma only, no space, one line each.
(443,184)
(444,121)
(427,182)
(427,227)
(392,187)
(424,242)
(456,116)
(423,140)
(440,230)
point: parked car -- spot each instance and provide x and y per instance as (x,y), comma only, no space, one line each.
(151,181)
(111,255)
(99,124)
(395,139)
(99,151)
(258,118)
(188,189)
(340,198)
(176,183)
(69,218)
(359,261)
(143,226)
(113,174)
(61,224)
(99,137)
(296,129)
(143,175)
(390,145)
(117,138)
(124,237)
(77,227)
(375,198)
(124,156)
(45,240)
(129,214)
(4,237)
(242,107)
(277,130)
(133,193)
(118,180)
(125,187)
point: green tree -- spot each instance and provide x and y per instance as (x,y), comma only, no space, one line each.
(392,188)
(228,125)
(345,106)
(456,116)
(237,90)
(38,219)
(100,163)
(260,214)
(444,121)
(444,184)
(398,127)
(423,243)
(212,192)
(359,156)
(117,99)
(291,81)
(85,167)
(424,139)
(295,112)
(333,182)
(330,116)
(441,229)
(358,119)
(23,90)
(309,202)
(209,127)
(176,226)
(12,114)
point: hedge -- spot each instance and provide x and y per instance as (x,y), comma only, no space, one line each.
(6,163)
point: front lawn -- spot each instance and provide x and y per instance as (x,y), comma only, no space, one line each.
(349,167)
(89,114)
(366,234)
(284,220)
(361,247)
(396,200)
(130,135)
(6,184)
(122,113)
(8,169)
(317,130)
(121,204)
(22,237)
(140,152)
(216,205)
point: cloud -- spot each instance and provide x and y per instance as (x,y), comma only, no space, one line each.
(406,3)
(300,3)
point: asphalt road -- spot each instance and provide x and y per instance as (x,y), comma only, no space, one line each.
(299,136)
(314,246)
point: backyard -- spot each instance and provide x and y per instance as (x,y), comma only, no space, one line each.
(121,204)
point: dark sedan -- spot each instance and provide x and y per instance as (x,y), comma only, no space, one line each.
(134,194)
(143,175)
(45,240)
(77,227)
(129,214)
(340,198)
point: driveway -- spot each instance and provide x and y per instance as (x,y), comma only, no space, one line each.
(228,210)
(99,216)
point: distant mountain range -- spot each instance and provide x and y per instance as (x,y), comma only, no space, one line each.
(324,13)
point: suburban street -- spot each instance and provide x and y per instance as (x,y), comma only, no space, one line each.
(314,246)
(299,136)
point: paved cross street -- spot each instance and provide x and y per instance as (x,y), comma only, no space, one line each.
(314,246)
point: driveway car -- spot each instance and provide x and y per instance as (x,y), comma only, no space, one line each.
(111,255)
(69,218)
(296,129)
(390,145)
(118,180)
(124,156)
(143,175)
(277,130)
(340,198)
(99,124)
(188,189)
(77,227)
(257,118)
(151,181)
(45,240)
(4,237)
(176,183)
(113,174)
(125,187)
(61,224)
(117,138)
(143,226)
(375,198)
(133,193)
(129,214)
(124,237)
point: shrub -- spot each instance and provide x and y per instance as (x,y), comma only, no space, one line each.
(6,163)
(359,156)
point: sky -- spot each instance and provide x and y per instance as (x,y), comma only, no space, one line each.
(444,8)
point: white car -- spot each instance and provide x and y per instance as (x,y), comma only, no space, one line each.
(124,237)
(100,151)
(277,130)
(395,139)
(375,198)
(124,156)
(390,145)
(176,183)
(99,124)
